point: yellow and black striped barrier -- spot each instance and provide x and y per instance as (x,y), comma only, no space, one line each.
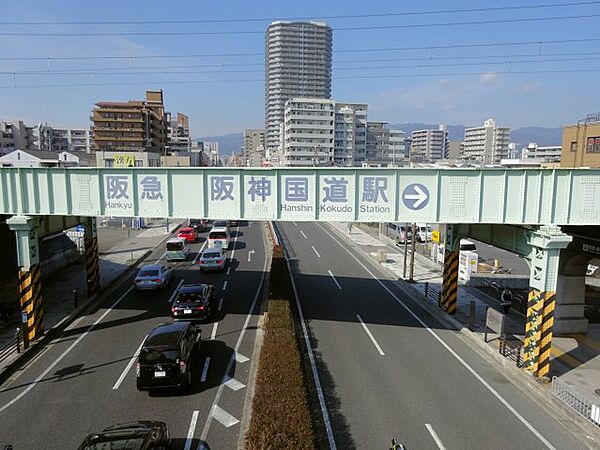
(546,335)
(92,265)
(533,330)
(30,292)
(450,282)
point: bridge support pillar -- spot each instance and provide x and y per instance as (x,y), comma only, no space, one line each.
(92,262)
(30,283)
(546,244)
(449,300)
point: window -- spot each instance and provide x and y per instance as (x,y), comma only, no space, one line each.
(574,146)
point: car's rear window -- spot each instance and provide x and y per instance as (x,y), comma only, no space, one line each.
(121,443)
(148,273)
(211,255)
(219,223)
(188,297)
(155,356)
(217,235)
(195,221)
(174,246)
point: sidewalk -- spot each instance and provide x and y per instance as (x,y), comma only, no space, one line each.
(58,288)
(575,359)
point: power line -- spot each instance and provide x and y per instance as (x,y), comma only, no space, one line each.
(539,43)
(329,17)
(249,32)
(249,80)
(144,70)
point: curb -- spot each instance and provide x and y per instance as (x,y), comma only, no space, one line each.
(532,388)
(104,292)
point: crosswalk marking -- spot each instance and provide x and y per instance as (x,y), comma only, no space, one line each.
(234,384)
(223,417)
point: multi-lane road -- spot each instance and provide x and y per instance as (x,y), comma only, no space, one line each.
(390,370)
(84,380)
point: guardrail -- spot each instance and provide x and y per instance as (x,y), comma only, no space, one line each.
(274,237)
(577,401)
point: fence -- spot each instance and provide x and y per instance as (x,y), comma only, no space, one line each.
(576,401)
(10,347)
(511,349)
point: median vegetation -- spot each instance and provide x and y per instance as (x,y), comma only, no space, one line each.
(281,415)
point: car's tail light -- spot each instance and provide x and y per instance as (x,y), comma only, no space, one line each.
(156,280)
(219,261)
(181,366)
(201,307)
(137,370)
(173,309)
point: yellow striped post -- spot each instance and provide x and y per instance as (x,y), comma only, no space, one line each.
(30,293)
(92,266)
(533,330)
(450,282)
(543,369)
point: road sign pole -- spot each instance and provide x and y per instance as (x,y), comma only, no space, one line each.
(405,248)
(412,252)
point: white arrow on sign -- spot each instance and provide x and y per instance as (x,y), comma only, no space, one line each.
(250,254)
(420,197)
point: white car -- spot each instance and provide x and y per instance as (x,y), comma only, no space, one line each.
(213,258)
(153,276)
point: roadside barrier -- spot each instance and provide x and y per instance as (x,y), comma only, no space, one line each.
(577,401)
(511,348)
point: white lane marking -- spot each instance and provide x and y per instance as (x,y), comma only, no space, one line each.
(220,304)
(313,247)
(219,393)
(435,437)
(172,297)
(191,430)
(237,231)
(129,364)
(213,334)
(313,366)
(239,358)
(334,280)
(375,343)
(234,384)
(508,406)
(302,233)
(223,417)
(250,253)
(65,353)
(199,252)
(225,284)
(162,256)
(228,270)
(295,224)
(205,370)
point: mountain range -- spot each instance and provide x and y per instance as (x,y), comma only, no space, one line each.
(231,143)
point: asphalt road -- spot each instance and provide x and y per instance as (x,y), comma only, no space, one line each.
(73,386)
(390,370)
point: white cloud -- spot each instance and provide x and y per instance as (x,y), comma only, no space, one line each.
(489,78)
(528,88)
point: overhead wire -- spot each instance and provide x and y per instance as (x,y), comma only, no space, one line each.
(321,17)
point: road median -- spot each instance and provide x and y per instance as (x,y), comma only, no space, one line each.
(281,415)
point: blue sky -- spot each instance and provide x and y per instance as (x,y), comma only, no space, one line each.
(227,93)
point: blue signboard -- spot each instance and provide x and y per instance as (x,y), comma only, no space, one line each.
(415,196)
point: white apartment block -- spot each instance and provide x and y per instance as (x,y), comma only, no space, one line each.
(297,64)
(487,144)
(308,132)
(350,134)
(254,140)
(16,135)
(385,146)
(550,153)
(178,134)
(63,139)
(429,145)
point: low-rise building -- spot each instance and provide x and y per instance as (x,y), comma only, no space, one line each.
(581,143)
(549,153)
(16,135)
(178,134)
(55,139)
(127,159)
(30,158)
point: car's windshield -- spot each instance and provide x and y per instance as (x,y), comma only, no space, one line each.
(148,273)
(121,443)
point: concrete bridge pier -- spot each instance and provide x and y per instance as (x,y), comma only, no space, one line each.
(570,293)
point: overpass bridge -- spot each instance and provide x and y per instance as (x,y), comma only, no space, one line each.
(477,202)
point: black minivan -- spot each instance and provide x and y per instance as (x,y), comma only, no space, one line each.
(167,355)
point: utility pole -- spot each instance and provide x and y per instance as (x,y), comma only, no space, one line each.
(412,252)
(405,248)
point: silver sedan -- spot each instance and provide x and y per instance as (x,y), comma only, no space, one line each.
(153,277)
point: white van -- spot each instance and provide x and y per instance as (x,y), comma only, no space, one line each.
(398,232)
(177,249)
(219,236)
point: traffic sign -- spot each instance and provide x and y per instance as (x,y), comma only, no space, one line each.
(415,196)
(435,236)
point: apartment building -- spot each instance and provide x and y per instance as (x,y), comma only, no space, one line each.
(487,144)
(16,135)
(178,133)
(63,139)
(297,64)
(350,138)
(133,126)
(550,153)
(385,146)
(254,140)
(581,143)
(429,145)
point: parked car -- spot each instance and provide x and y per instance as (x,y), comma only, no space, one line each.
(153,276)
(213,258)
(142,435)
(198,224)
(220,223)
(219,236)
(167,356)
(399,232)
(193,301)
(189,234)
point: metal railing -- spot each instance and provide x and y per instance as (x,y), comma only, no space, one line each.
(12,346)
(577,401)
(511,349)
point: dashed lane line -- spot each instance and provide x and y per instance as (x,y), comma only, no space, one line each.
(205,370)
(129,365)
(375,343)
